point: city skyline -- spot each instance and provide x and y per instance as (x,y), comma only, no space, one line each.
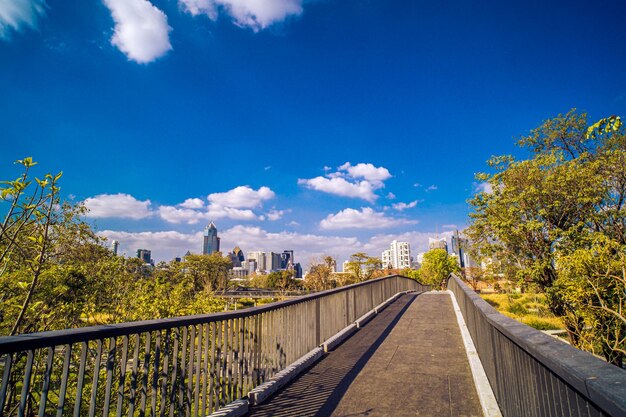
(326,127)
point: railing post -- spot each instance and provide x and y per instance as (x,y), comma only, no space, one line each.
(318,314)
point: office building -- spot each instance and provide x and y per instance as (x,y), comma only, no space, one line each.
(274,261)
(145,255)
(286,261)
(260,261)
(115,245)
(211,242)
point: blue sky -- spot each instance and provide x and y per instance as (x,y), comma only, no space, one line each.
(330,126)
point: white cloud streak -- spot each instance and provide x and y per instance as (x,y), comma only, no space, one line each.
(242,197)
(366,218)
(117,205)
(340,186)
(404,206)
(354,181)
(253,14)
(16,14)
(141,30)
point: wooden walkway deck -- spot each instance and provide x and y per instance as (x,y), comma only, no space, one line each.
(408,361)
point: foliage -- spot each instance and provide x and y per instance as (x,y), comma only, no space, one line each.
(436,267)
(543,215)
(320,276)
(363,267)
(530,308)
(592,285)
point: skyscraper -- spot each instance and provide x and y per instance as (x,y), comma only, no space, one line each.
(287,261)
(145,255)
(260,260)
(211,242)
(115,245)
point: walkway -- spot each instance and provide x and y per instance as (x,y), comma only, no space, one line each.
(408,361)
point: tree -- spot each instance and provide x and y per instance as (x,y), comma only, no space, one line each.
(545,214)
(25,234)
(207,272)
(436,267)
(363,267)
(281,280)
(320,276)
(592,283)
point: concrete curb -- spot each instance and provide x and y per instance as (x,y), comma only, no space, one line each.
(362,321)
(237,408)
(339,338)
(483,387)
(265,390)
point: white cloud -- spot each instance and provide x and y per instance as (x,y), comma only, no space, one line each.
(355,181)
(141,29)
(366,171)
(254,14)
(449,226)
(177,215)
(391,196)
(431,188)
(192,203)
(340,186)
(236,204)
(293,223)
(404,206)
(217,211)
(366,218)
(14,15)
(483,187)
(242,197)
(274,215)
(117,205)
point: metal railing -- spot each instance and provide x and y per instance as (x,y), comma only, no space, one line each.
(179,366)
(531,373)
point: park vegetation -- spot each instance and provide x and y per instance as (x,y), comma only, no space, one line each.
(556,221)
(57,273)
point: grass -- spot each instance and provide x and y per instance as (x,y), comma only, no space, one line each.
(530,309)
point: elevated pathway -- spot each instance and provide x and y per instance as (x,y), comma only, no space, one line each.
(408,361)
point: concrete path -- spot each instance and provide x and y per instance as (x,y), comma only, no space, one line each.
(408,361)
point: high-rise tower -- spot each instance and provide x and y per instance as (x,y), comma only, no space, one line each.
(211,242)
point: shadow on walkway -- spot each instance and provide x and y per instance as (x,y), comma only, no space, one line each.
(321,388)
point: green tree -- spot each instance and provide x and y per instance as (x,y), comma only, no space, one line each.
(363,267)
(545,213)
(592,283)
(25,239)
(436,267)
(207,272)
(320,276)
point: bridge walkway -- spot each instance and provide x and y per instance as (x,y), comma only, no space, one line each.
(408,361)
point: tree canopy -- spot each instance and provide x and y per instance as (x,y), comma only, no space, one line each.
(542,220)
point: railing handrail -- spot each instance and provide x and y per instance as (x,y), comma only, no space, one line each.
(603,384)
(28,341)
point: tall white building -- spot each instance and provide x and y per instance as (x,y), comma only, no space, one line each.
(274,261)
(387,259)
(398,256)
(261,260)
